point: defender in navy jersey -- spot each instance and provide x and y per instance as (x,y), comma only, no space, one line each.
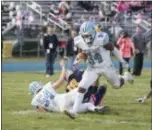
(95,92)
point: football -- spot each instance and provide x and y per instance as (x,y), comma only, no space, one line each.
(82,56)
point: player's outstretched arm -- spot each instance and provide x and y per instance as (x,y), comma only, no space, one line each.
(120,58)
(59,82)
(117,54)
(115,51)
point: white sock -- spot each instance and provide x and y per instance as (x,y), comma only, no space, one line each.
(85,107)
(91,107)
(78,101)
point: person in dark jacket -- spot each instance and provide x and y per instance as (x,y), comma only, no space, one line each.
(50,42)
(140,43)
(71,50)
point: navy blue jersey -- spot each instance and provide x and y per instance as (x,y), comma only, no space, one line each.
(74,79)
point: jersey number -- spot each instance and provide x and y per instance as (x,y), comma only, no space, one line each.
(95,58)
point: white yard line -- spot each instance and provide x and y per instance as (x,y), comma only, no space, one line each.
(84,118)
(24,112)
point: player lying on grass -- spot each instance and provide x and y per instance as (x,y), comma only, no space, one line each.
(45,98)
(96,46)
(143,99)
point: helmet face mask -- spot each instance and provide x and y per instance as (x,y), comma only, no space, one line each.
(88,38)
(88,32)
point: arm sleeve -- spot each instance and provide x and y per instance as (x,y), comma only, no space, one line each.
(45,42)
(117,54)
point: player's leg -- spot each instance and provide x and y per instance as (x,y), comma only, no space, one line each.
(65,100)
(92,90)
(115,80)
(85,107)
(97,98)
(69,98)
(89,77)
(89,107)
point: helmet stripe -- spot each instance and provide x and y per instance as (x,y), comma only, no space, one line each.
(86,26)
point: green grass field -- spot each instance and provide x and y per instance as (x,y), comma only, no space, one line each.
(125,113)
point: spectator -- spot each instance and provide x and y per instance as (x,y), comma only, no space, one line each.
(71,50)
(30,17)
(54,10)
(11,6)
(87,5)
(136,6)
(126,48)
(11,14)
(116,31)
(44,20)
(139,42)
(139,17)
(101,13)
(82,19)
(18,8)
(122,8)
(19,19)
(64,9)
(50,42)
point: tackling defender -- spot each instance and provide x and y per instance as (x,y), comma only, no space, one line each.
(97,47)
(45,98)
(95,92)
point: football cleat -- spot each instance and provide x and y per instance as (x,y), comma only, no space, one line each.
(141,100)
(70,114)
(102,109)
(130,77)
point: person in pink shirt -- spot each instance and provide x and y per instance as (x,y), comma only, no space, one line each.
(122,6)
(126,48)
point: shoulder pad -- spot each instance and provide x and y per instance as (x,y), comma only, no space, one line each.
(78,40)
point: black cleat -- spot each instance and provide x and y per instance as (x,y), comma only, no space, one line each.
(102,110)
